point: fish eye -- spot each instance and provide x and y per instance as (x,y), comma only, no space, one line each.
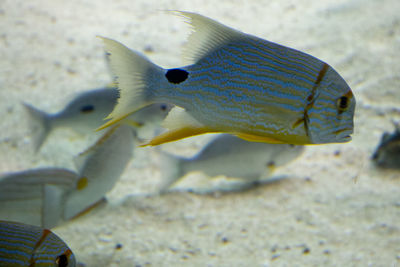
(163,107)
(62,260)
(342,103)
(87,108)
(270,164)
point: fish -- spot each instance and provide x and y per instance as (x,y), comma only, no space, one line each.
(236,83)
(387,154)
(48,197)
(230,156)
(99,168)
(86,112)
(27,245)
(35,196)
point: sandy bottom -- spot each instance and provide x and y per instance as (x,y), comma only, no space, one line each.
(334,208)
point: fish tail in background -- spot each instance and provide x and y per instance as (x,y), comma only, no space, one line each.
(39,124)
(171,170)
(136,77)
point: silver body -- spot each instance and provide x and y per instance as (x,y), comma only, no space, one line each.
(48,196)
(86,112)
(233,157)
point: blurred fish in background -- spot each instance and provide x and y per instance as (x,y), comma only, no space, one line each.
(387,154)
(230,156)
(237,84)
(99,169)
(48,196)
(36,196)
(23,245)
(87,111)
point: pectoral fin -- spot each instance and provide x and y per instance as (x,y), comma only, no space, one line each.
(133,123)
(180,125)
(257,138)
(177,134)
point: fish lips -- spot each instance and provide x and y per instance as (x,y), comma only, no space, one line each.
(344,135)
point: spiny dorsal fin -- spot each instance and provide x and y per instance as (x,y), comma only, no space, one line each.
(207,36)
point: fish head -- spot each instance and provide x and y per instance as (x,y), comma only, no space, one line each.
(387,154)
(331,111)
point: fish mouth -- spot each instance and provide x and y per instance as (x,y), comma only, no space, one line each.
(344,135)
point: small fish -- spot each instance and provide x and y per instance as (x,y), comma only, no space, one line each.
(47,197)
(86,112)
(233,157)
(387,154)
(99,169)
(238,84)
(35,196)
(23,245)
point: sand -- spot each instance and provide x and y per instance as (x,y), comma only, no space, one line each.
(333,208)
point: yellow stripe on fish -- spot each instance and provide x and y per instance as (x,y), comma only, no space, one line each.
(238,84)
(27,245)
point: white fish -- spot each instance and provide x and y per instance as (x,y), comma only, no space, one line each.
(86,112)
(35,196)
(230,156)
(100,168)
(47,197)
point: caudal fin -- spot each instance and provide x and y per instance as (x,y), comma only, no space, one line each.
(39,124)
(135,75)
(171,170)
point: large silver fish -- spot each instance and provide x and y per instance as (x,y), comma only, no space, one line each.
(23,245)
(230,156)
(86,112)
(47,197)
(238,84)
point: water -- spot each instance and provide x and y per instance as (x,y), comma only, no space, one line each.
(333,209)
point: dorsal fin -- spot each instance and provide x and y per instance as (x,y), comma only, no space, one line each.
(207,36)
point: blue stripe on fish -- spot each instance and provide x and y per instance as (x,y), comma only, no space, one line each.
(26,245)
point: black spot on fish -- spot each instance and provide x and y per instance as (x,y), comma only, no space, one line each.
(87,109)
(176,75)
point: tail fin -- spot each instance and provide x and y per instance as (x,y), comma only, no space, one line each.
(39,124)
(171,170)
(136,76)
